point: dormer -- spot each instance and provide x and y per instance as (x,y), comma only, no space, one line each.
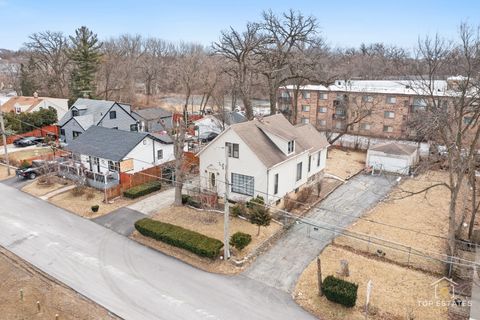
(281,138)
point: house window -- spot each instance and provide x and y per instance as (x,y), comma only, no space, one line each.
(76,134)
(74,112)
(305,120)
(323,96)
(134,127)
(305,108)
(299,171)
(116,128)
(305,95)
(419,104)
(389,114)
(113,114)
(291,146)
(367,98)
(275,184)
(318,158)
(113,166)
(159,154)
(391,99)
(387,129)
(309,163)
(243,184)
(285,94)
(233,149)
(212,179)
(62,132)
(322,109)
(322,123)
(96,162)
(467,120)
(365,126)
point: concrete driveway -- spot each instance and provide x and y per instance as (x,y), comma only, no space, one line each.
(153,203)
(129,279)
(281,266)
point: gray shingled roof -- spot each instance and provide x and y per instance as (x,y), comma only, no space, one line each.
(106,143)
(394,148)
(253,134)
(152,113)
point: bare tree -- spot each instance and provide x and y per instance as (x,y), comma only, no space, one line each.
(238,49)
(451,120)
(282,37)
(49,51)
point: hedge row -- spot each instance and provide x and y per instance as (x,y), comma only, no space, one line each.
(179,237)
(142,189)
(340,291)
(186,199)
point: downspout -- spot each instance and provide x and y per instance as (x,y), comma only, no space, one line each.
(153,148)
(268,183)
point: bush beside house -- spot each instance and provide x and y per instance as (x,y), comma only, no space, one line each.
(340,291)
(179,237)
(143,189)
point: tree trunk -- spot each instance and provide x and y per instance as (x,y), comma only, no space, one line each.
(452,227)
(248,108)
(272,94)
(319,277)
(473,183)
(296,91)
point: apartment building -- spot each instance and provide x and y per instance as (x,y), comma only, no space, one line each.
(378,108)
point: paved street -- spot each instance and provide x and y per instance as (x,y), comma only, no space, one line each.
(16,182)
(281,266)
(127,278)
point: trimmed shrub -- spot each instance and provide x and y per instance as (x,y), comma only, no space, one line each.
(179,237)
(143,189)
(185,198)
(340,291)
(239,209)
(304,194)
(95,208)
(194,203)
(240,240)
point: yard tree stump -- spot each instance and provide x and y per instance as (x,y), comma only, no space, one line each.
(319,277)
(343,272)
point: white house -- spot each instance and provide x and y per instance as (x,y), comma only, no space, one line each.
(268,157)
(392,157)
(19,104)
(109,151)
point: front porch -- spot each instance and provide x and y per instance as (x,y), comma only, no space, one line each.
(96,180)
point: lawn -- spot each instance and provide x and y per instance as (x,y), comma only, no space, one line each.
(36,188)
(344,163)
(4,172)
(210,224)
(19,156)
(424,215)
(54,298)
(82,204)
(396,290)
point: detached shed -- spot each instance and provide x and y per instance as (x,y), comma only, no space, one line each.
(392,157)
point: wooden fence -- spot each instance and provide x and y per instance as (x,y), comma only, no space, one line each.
(42,132)
(128,180)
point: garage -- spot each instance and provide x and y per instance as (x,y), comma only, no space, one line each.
(392,157)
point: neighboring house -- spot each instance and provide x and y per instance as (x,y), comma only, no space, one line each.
(153,119)
(392,157)
(108,151)
(391,105)
(268,157)
(30,104)
(218,122)
(85,113)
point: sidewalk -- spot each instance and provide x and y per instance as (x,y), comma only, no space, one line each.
(154,203)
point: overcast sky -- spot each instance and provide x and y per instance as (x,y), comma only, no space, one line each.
(343,23)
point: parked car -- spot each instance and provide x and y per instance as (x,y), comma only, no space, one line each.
(207,136)
(28,141)
(37,168)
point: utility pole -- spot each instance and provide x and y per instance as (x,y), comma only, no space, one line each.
(226,244)
(4,140)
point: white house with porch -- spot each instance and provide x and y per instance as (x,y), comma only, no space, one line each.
(268,157)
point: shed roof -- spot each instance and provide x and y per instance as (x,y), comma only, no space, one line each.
(394,148)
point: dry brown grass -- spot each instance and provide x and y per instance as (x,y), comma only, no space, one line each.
(54,298)
(19,156)
(4,172)
(210,224)
(424,214)
(395,289)
(81,205)
(37,189)
(344,163)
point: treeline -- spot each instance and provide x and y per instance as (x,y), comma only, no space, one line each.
(252,62)
(28,121)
